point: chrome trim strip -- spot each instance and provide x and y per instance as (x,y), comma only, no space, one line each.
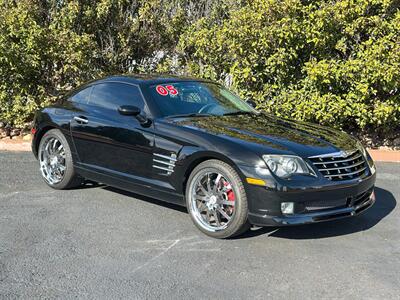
(164,162)
(343,167)
(336,154)
(337,161)
(346,174)
(165,156)
(163,168)
(78,119)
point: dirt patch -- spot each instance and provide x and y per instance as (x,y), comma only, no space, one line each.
(385,155)
(8,144)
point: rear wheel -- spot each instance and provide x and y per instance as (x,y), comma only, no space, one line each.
(216,200)
(55,161)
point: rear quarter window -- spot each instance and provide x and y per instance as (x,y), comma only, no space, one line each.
(82,96)
(112,95)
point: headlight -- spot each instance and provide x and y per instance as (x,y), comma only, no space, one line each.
(286,165)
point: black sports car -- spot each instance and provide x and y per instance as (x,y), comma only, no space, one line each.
(194,143)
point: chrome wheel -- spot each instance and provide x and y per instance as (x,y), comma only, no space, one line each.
(52,160)
(212,200)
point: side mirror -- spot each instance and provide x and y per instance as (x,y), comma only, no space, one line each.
(128,110)
(252,103)
(134,111)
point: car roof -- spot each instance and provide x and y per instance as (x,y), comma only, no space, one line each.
(149,79)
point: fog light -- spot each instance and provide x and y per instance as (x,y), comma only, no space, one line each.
(287,207)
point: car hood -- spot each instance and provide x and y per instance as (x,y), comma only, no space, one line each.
(264,132)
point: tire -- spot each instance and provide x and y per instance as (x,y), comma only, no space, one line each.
(50,158)
(207,215)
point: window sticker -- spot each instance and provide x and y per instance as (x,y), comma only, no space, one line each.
(171,89)
(161,90)
(165,90)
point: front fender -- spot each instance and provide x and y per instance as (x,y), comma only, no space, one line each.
(189,157)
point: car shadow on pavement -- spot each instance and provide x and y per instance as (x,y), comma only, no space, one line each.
(88,184)
(146,199)
(385,203)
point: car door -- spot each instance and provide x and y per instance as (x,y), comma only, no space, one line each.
(108,142)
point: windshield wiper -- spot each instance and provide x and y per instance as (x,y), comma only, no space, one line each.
(239,112)
(190,115)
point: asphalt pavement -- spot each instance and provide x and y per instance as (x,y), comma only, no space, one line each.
(100,243)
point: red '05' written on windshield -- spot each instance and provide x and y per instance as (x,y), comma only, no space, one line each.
(165,90)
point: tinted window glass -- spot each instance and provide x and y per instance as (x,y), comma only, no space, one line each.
(113,95)
(82,96)
(196,97)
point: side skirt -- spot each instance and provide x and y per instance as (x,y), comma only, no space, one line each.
(131,186)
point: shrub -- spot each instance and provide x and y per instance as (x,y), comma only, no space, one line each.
(37,60)
(332,62)
(49,46)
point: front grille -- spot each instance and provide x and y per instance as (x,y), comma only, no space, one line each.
(341,166)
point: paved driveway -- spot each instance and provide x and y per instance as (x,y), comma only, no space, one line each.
(98,242)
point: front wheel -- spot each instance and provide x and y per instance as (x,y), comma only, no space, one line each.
(216,200)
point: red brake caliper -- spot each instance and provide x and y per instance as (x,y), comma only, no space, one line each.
(230,194)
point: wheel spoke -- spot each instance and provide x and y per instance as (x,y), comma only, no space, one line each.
(227,202)
(216,217)
(208,216)
(201,198)
(216,182)
(202,207)
(50,147)
(47,150)
(203,189)
(224,214)
(209,184)
(54,145)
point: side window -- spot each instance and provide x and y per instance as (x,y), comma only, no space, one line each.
(82,96)
(112,95)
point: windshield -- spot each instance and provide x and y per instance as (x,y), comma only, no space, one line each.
(197,98)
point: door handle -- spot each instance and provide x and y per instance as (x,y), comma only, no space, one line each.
(81,120)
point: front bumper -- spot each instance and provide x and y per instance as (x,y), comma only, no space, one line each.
(313,202)
(306,218)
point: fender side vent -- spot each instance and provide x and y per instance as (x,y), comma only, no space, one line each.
(164,164)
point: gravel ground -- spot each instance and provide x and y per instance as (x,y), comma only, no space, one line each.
(98,242)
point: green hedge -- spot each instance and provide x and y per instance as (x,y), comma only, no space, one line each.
(50,46)
(332,62)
